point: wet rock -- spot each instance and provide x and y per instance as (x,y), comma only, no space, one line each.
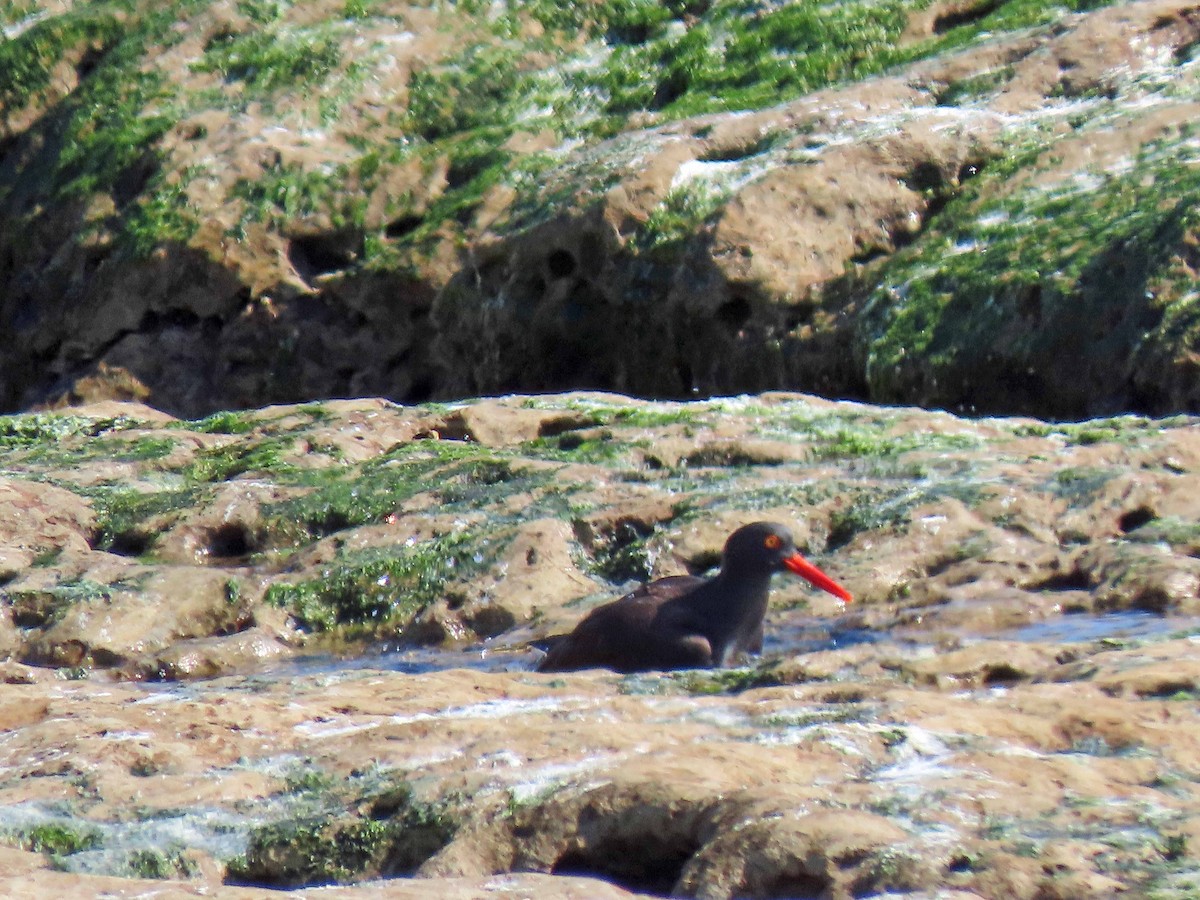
(973,724)
(834,854)
(753,225)
(993,663)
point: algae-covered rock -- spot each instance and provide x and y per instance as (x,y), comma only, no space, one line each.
(209,205)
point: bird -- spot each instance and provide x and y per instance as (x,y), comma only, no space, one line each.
(688,622)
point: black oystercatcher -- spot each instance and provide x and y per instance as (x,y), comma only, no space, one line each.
(684,622)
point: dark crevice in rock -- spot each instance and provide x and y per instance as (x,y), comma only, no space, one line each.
(735,152)
(132,182)
(1135,518)
(230,540)
(868,255)
(402,226)
(160,320)
(318,255)
(1074,580)
(639,863)
(132,543)
(964,15)
(562,424)
(560,264)
(926,176)
(1002,673)
(969,170)
(734,313)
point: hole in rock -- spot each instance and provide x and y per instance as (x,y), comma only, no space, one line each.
(1135,519)
(869,254)
(1075,580)
(797,887)
(130,543)
(734,313)
(161,320)
(318,255)
(643,864)
(230,540)
(133,180)
(565,423)
(925,177)
(969,170)
(1001,673)
(399,227)
(964,15)
(560,264)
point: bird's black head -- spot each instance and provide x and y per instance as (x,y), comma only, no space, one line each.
(765,547)
(759,547)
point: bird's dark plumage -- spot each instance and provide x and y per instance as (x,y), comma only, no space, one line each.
(685,622)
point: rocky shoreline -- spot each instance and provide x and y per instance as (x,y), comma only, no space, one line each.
(291,646)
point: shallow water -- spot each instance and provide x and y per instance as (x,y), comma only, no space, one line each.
(1118,626)
(790,638)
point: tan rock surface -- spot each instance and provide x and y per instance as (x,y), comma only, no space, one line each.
(345,694)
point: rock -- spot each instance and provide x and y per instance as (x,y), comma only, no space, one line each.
(539,216)
(983,665)
(39,519)
(827,854)
(352,670)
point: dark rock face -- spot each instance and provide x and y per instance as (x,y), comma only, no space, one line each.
(1008,227)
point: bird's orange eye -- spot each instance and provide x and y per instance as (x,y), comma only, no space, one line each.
(772,542)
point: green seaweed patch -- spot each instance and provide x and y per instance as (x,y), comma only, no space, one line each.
(45,430)
(136,449)
(1173,530)
(622,559)
(1079,485)
(223,463)
(675,220)
(848,442)
(269,59)
(380,591)
(891,509)
(129,521)
(984,298)
(599,446)
(14,12)
(44,606)
(975,87)
(1118,429)
(394,837)
(706,682)
(29,60)
(228,422)
(459,473)
(159,864)
(55,839)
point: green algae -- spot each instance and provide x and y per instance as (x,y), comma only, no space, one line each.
(580,74)
(125,516)
(394,834)
(54,838)
(710,682)
(224,463)
(45,430)
(159,864)
(986,294)
(380,591)
(268,59)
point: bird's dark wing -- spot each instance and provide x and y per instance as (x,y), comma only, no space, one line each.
(645,629)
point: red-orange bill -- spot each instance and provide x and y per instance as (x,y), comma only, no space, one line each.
(816,577)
